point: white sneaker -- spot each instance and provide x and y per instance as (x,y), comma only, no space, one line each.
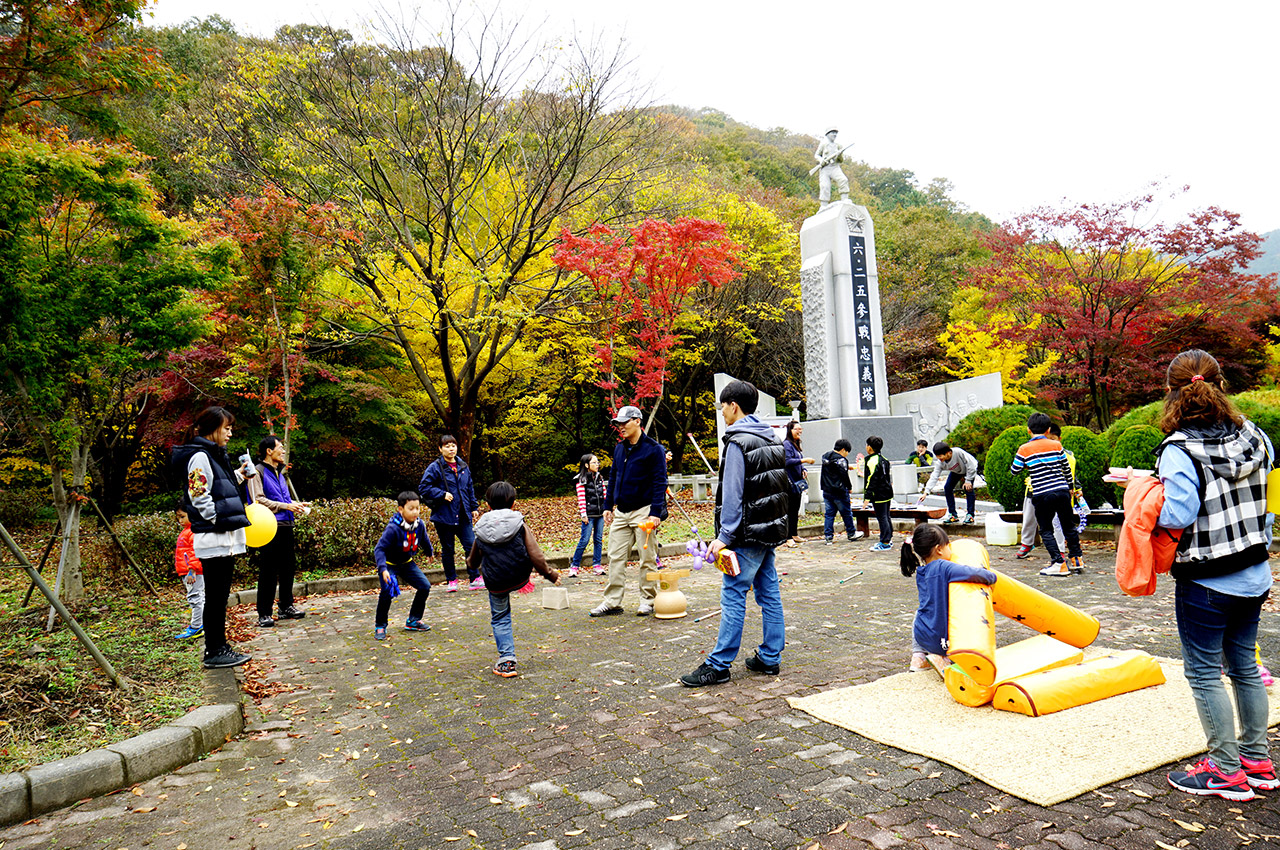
(645,609)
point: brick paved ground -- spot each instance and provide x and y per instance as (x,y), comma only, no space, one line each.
(413,743)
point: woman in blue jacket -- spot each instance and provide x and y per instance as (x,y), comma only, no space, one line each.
(447,487)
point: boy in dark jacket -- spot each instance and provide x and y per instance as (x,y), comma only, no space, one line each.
(835,491)
(878,492)
(446,487)
(393,554)
(506,553)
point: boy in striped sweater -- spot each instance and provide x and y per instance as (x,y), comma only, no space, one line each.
(1044,459)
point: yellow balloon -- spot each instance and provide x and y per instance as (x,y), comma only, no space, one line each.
(262,526)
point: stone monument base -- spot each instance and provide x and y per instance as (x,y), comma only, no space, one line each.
(898,433)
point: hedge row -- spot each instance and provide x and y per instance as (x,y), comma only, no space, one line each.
(338,535)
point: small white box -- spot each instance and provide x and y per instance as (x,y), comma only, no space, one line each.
(555,597)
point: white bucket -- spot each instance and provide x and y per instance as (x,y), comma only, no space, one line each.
(999,532)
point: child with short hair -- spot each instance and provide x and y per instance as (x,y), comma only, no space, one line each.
(506,553)
(960,466)
(927,556)
(404,535)
(921,457)
(447,488)
(192,572)
(836,488)
(878,492)
(1051,476)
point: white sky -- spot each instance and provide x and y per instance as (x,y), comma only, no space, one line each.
(1017,103)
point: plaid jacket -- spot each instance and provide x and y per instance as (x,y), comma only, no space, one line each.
(1229,534)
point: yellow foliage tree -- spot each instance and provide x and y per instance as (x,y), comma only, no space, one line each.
(981,351)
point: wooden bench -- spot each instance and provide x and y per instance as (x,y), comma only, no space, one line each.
(863,516)
(1113,517)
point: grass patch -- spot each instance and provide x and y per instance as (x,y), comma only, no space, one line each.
(57,701)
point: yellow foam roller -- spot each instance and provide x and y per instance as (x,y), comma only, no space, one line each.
(1043,613)
(971,553)
(971,630)
(1036,653)
(1079,684)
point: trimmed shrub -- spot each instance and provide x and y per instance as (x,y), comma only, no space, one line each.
(1261,406)
(1092,456)
(1005,487)
(978,430)
(338,536)
(1137,448)
(1265,416)
(1148,414)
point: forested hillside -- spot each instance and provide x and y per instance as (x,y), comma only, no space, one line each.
(368,237)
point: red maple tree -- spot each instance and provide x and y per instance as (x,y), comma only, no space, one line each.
(643,279)
(1117,297)
(268,316)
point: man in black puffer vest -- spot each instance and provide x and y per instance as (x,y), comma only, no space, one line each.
(751,520)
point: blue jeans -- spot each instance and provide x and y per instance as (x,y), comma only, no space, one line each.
(759,574)
(465,536)
(500,620)
(1216,628)
(592,527)
(831,503)
(954,480)
(406,574)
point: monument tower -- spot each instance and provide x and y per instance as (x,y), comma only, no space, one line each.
(847,389)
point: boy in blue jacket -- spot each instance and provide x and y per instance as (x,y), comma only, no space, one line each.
(446,486)
(400,540)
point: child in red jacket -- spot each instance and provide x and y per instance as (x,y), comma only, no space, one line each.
(192,572)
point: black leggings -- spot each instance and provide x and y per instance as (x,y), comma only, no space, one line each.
(793,512)
(217,587)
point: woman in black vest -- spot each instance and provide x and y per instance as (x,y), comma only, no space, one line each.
(211,496)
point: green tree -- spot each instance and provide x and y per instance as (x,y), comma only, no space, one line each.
(94,290)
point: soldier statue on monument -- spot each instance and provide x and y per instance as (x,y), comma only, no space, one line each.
(829,156)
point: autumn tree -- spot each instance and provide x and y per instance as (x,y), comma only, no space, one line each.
(94,289)
(460,155)
(268,318)
(60,58)
(1114,296)
(643,279)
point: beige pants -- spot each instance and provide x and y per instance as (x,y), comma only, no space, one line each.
(625,533)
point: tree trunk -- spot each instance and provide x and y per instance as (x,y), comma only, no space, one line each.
(72,587)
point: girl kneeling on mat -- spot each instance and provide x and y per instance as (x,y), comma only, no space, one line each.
(928,557)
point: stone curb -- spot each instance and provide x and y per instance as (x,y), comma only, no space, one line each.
(60,783)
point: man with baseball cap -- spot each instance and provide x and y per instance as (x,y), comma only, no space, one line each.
(637,495)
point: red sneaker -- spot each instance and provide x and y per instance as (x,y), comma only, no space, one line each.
(1206,779)
(1260,774)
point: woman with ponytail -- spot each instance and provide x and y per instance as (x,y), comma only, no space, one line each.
(927,556)
(1213,466)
